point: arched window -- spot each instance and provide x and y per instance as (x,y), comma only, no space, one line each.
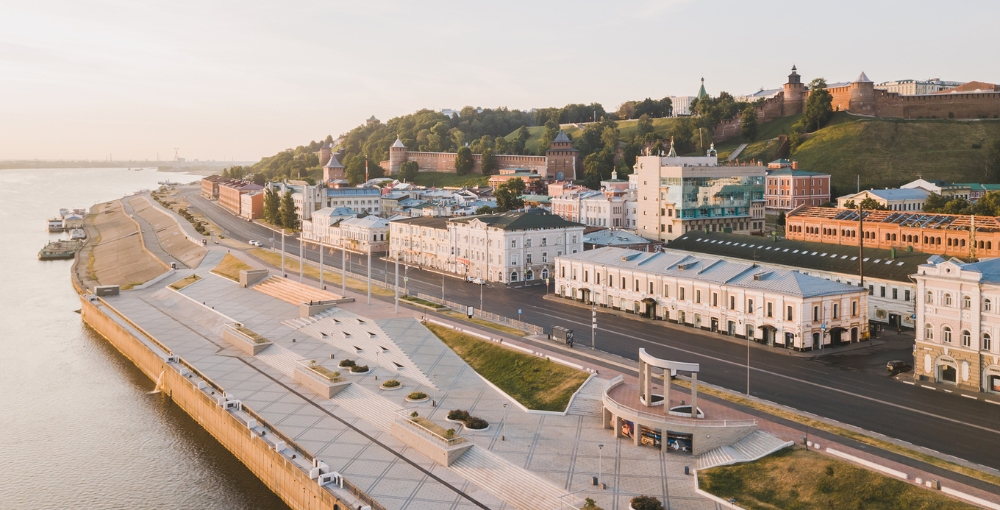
(987,305)
(966,338)
(513,276)
(947,300)
(946,335)
(928,332)
(987,345)
(966,302)
(930,297)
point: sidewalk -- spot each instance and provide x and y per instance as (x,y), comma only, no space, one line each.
(825,351)
(912,378)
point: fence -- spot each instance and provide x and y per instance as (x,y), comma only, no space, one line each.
(487,316)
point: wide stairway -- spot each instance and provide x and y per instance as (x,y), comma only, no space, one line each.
(280,359)
(368,406)
(736,153)
(588,402)
(757,445)
(293,292)
(510,483)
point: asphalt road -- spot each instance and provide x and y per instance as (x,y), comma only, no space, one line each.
(852,387)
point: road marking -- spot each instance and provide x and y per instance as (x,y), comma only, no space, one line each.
(802,381)
(993,402)
(928,387)
(947,391)
(908,382)
(969,396)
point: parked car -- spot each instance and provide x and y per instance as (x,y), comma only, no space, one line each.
(478,281)
(255,243)
(897,366)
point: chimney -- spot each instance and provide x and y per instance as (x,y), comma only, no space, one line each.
(795,165)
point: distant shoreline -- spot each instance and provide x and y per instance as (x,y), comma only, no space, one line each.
(199,169)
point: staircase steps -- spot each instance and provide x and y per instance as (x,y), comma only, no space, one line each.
(588,401)
(368,406)
(739,150)
(292,292)
(755,446)
(513,484)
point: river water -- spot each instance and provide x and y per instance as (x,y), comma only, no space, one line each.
(79,427)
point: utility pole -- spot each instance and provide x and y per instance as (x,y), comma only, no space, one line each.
(370,274)
(395,281)
(861,259)
(283,253)
(343,269)
(593,326)
(302,260)
(321,266)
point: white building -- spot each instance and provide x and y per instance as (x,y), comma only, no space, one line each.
(595,208)
(681,105)
(894,199)
(778,307)
(959,324)
(508,247)
(308,198)
(370,233)
(361,199)
(324,226)
(678,194)
(917,87)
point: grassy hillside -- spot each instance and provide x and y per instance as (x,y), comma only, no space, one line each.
(626,129)
(446,179)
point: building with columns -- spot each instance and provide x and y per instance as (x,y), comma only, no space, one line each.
(776,307)
(958,324)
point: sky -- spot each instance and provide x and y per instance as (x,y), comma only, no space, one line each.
(227,80)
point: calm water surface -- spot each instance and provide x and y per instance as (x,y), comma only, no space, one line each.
(79,426)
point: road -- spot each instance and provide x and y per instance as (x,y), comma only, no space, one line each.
(852,387)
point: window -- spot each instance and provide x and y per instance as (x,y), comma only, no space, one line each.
(815,313)
(966,302)
(586,276)
(636,287)
(513,243)
(789,312)
(986,342)
(527,243)
(650,287)
(854,308)
(680,293)
(966,338)
(947,300)
(623,283)
(527,258)
(987,305)
(732,302)
(544,241)
(770,309)
(871,290)
(750,308)
(597,278)
(697,296)
(836,310)
(895,293)
(715,299)
(906,295)
(946,335)
(666,290)
(562,271)
(930,298)
(545,257)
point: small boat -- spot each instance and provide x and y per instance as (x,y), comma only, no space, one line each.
(61,249)
(55,225)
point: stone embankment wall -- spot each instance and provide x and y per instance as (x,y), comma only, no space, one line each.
(287,480)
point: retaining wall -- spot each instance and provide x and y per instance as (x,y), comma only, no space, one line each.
(285,479)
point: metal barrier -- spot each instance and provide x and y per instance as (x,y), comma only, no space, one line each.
(529,328)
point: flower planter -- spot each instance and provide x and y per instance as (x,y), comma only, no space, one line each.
(383,387)
(359,373)
(417,401)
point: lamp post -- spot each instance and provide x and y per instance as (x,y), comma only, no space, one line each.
(600,461)
(593,325)
(302,260)
(749,337)
(282,253)
(395,282)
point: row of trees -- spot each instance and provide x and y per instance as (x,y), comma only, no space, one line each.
(987,205)
(279,210)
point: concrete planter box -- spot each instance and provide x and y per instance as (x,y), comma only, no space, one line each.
(322,386)
(478,430)
(244,341)
(383,387)
(440,451)
(348,371)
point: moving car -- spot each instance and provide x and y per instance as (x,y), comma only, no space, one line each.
(478,281)
(897,366)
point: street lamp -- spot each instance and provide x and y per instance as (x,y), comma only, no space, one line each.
(748,350)
(600,461)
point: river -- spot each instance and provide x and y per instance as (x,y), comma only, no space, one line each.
(80,426)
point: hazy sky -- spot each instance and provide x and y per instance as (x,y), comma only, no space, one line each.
(226,79)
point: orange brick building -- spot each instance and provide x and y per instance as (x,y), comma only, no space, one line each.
(210,186)
(230,193)
(940,234)
(787,187)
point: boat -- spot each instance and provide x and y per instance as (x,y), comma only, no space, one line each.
(55,225)
(77,234)
(61,249)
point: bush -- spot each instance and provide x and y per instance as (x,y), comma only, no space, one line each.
(475,423)
(458,415)
(450,433)
(392,383)
(590,504)
(417,395)
(359,368)
(347,363)
(414,414)
(646,503)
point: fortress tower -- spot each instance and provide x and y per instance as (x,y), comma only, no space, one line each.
(324,153)
(397,156)
(794,95)
(862,95)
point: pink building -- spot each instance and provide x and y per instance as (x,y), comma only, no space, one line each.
(787,187)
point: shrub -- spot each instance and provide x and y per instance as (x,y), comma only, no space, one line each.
(414,414)
(391,383)
(476,423)
(417,395)
(590,504)
(458,415)
(347,363)
(450,433)
(359,368)
(646,503)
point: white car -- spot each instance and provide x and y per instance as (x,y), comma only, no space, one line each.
(254,243)
(478,281)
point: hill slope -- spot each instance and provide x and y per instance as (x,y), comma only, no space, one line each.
(626,129)
(885,152)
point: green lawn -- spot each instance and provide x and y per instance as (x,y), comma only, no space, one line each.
(534,382)
(230,267)
(800,479)
(450,179)
(184,282)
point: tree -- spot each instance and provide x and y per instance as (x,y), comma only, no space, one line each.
(781,219)
(408,170)
(464,161)
(993,162)
(748,124)
(508,195)
(872,205)
(819,106)
(271,206)
(643,127)
(489,164)
(988,204)
(484,209)
(850,205)
(958,206)
(259,179)
(934,204)
(288,217)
